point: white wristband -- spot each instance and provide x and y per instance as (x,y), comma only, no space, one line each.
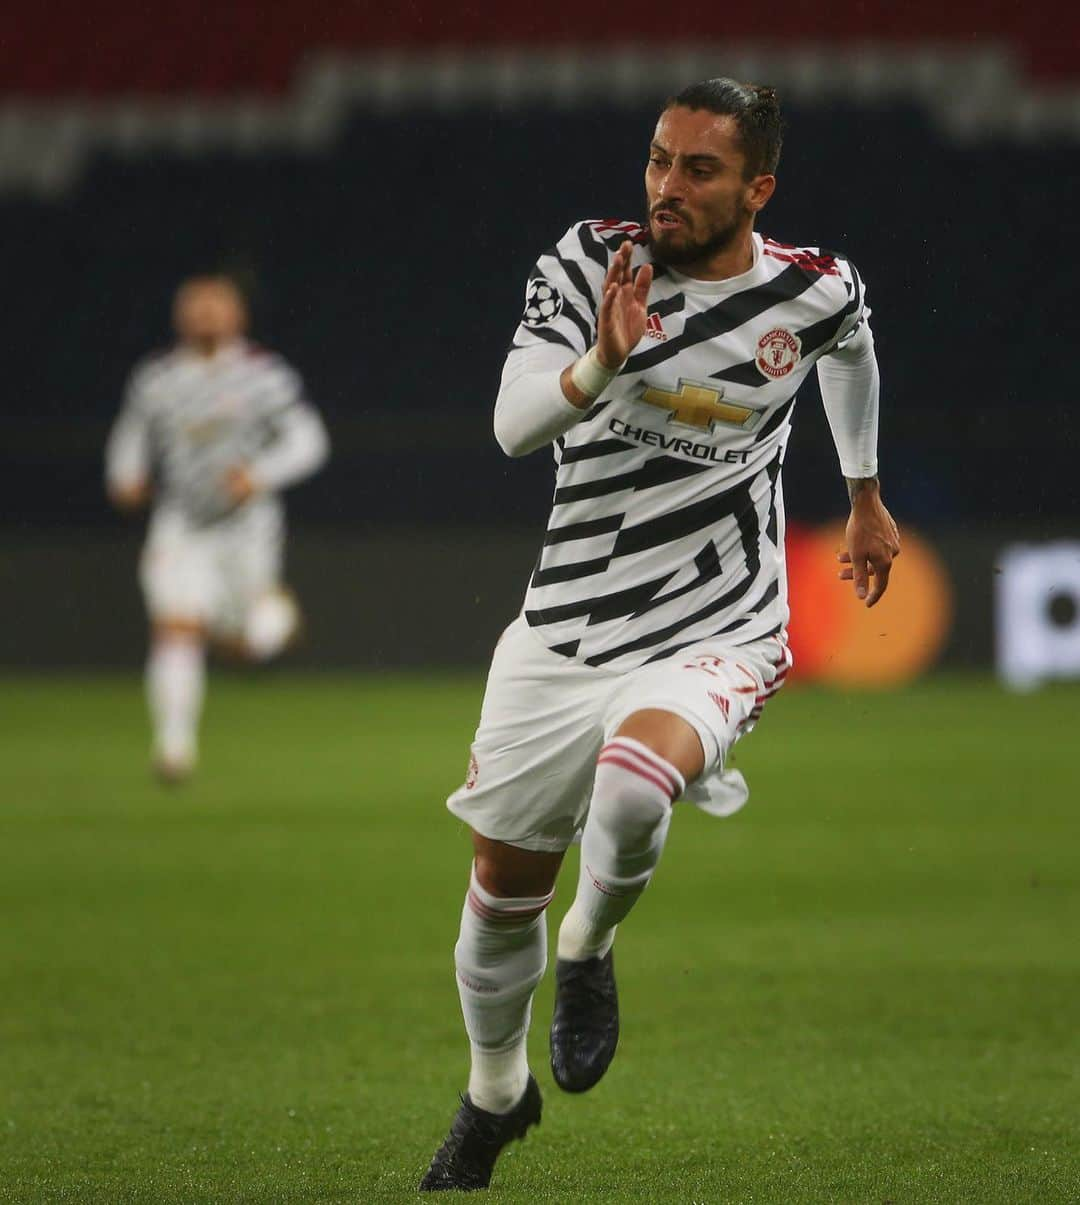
(590,376)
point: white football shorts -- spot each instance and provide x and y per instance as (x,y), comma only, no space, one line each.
(545,717)
(211,574)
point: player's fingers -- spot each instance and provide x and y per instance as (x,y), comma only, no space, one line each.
(844,556)
(642,284)
(881,581)
(607,302)
(615,269)
(861,577)
(845,575)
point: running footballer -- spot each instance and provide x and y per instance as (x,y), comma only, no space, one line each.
(661,362)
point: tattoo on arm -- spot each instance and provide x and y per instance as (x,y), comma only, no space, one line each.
(859,485)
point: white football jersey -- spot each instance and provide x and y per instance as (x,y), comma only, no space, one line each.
(190,418)
(667,523)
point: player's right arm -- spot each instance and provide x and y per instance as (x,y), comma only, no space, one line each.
(127,451)
(571,343)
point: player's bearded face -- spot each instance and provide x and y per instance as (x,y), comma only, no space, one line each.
(697,198)
(208,311)
(682,236)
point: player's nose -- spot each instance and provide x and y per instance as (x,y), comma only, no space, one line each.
(671,186)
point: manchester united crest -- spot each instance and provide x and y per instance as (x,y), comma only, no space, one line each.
(777,353)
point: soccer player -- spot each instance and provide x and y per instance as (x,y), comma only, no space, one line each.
(211,430)
(662,362)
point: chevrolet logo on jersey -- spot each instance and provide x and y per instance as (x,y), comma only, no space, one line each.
(699,406)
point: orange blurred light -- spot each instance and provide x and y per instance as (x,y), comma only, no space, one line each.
(839,640)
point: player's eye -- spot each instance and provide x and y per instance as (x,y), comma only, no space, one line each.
(657,161)
(703,173)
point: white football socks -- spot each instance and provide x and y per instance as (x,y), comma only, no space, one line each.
(624,835)
(175,684)
(500,957)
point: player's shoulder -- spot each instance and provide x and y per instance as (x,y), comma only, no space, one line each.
(265,361)
(833,272)
(812,260)
(151,369)
(598,239)
(613,232)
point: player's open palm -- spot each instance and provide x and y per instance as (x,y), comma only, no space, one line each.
(623,309)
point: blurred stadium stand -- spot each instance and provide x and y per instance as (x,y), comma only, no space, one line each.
(381,179)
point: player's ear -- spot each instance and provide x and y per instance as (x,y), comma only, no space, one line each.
(758,192)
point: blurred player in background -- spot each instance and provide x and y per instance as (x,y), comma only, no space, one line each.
(662,363)
(210,431)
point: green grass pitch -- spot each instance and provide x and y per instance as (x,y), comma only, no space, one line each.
(864,988)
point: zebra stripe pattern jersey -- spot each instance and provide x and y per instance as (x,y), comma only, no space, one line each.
(667,522)
(195,417)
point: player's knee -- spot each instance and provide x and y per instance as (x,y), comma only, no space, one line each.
(501,951)
(178,628)
(510,872)
(668,737)
(632,795)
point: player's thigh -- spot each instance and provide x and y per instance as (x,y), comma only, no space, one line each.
(718,689)
(532,762)
(249,562)
(177,573)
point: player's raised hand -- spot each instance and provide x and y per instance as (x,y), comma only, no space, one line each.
(873,543)
(623,309)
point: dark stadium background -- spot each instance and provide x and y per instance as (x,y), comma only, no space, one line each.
(384,249)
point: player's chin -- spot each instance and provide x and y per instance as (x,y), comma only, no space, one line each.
(672,245)
(667,230)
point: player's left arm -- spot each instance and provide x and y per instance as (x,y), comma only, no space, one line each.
(850,389)
(128,449)
(299,447)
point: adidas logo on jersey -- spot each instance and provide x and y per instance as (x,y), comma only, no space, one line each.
(654,328)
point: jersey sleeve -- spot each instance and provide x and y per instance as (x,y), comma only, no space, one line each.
(857,312)
(297,442)
(128,448)
(850,383)
(562,296)
(558,324)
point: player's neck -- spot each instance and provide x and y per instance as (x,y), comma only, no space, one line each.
(207,349)
(733,260)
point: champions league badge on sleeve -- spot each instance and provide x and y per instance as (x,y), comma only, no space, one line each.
(543,302)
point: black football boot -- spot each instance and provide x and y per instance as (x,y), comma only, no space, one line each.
(466,1159)
(585,1027)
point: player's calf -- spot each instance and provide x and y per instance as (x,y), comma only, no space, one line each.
(500,957)
(624,835)
(175,686)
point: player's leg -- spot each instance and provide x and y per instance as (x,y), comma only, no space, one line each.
(669,726)
(259,616)
(524,797)
(500,957)
(175,687)
(640,772)
(178,587)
